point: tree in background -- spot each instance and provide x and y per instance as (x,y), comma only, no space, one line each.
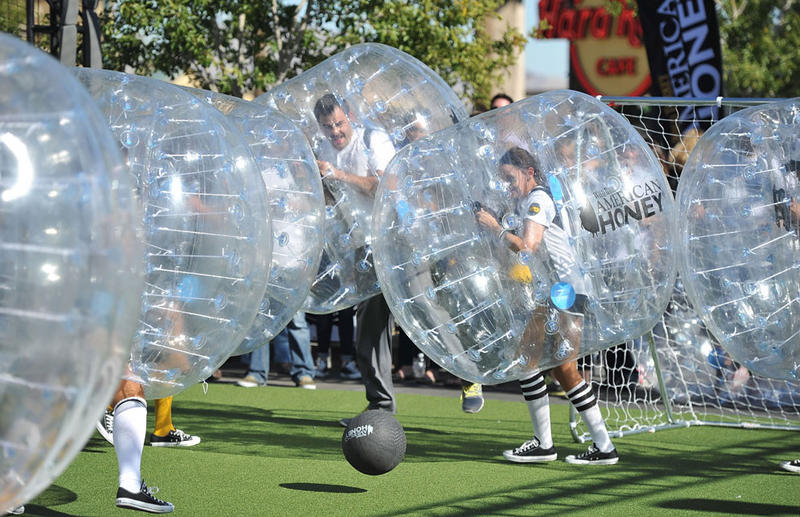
(238,46)
(12,17)
(760,47)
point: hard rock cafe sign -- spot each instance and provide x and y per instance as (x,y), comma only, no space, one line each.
(607,56)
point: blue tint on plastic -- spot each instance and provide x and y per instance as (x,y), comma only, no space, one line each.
(563,295)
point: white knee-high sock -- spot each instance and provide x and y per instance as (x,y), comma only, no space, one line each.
(582,397)
(130,425)
(534,390)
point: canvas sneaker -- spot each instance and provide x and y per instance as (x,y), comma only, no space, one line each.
(19,510)
(250,381)
(471,398)
(142,500)
(530,452)
(350,371)
(174,438)
(593,456)
(105,426)
(305,382)
(791,466)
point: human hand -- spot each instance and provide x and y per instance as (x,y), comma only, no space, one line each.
(487,220)
(326,169)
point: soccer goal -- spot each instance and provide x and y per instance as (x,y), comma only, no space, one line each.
(678,375)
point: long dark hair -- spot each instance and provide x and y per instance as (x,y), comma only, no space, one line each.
(522,159)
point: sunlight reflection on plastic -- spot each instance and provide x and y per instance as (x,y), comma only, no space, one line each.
(206,227)
(296,206)
(460,288)
(739,245)
(70,269)
(370,100)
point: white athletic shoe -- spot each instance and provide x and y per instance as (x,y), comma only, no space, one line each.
(105,426)
(791,466)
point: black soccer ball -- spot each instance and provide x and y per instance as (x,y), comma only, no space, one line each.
(374,442)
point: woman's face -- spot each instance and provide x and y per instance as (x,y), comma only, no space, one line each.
(518,180)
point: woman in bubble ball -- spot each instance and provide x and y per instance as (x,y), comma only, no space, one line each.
(542,233)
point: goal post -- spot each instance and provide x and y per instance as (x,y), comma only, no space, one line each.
(677,375)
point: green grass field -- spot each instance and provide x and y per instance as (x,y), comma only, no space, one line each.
(276,451)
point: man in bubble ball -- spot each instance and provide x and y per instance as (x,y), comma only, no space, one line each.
(130,426)
(542,231)
(357,157)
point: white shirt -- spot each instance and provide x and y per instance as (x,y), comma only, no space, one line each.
(358,159)
(538,207)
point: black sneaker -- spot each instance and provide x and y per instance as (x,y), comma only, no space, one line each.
(530,452)
(593,456)
(175,438)
(142,500)
(791,466)
(105,426)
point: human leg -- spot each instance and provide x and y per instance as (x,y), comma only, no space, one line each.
(349,369)
(302,369)
(540,448)
(130,425)
(374,354)
(257,372)
(165,434)
(582,397)
(324,330)
(405,356)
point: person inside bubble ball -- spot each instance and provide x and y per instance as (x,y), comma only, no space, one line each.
(357,156)
(543,235)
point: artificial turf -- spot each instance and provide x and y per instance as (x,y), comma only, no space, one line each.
(276,451)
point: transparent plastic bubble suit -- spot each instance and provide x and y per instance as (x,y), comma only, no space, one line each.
(738,236)
(296,207)
(489,313)
(383,98)
(206,227)
(70,269)
(704,373)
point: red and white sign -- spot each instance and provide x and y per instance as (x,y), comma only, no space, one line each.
(607,56)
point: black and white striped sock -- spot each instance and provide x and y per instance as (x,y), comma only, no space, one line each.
(534,390)
(584,400)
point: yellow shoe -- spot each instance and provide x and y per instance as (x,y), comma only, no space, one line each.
(471,398)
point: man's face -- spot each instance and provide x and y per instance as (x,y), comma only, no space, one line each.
(336,128)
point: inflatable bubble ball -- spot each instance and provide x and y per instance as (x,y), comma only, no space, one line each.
(374,442)
(296,207)
(696,369)
(206,227)
(357,108)
(525,237)
(70,269)
(738,236)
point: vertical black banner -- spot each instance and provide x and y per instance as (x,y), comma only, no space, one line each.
(683,48)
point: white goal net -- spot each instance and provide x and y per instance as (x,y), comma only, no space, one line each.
(679,375)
